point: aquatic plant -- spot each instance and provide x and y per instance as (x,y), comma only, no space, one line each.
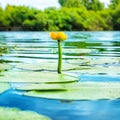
(3,50)
(60,36)
(17,114)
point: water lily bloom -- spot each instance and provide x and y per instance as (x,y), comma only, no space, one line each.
(53,35)
(59,36)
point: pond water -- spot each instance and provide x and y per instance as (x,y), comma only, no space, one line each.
(100,51)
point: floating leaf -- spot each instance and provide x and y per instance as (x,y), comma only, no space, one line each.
(50,65)
(3,50)
(35,77)
(43,86)
(114,70)
(33,49)
(75,50)
(16,114)
(95,61)
(82,91)
(5,66)
(5,61)
(37,55)
(66,86)
(4,87)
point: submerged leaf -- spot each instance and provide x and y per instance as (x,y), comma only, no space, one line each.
(16,114)
(82,91)
(4,87)
(39,77)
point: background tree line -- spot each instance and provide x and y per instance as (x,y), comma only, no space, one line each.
(77,15)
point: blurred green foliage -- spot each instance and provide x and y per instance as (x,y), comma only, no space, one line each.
(77,15)
(89,4)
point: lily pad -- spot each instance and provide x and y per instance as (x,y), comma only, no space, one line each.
(111,70)
(50,65)
(75,50)
(5,66)
(44,86)
(95,61)
(39,77)
(16,114)
(27,49)
(37,55)
(82,91)
(4,87)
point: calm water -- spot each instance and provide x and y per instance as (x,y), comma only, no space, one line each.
(86,49)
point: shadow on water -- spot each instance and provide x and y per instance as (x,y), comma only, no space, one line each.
(86,49)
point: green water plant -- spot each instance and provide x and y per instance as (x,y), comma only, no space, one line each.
(60,37)
(33,77)
(3,50)
(49,65)
(16,114)
(74,90)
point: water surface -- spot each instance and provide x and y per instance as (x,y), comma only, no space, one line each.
(100,50)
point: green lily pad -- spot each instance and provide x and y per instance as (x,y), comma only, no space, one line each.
(44,86)
(111,70)
(75,50)
(82,91)
(33,49)
(55,50)
(94,61)
(39,77)
(3,50)
(4,87)
(16,114)
(5,66)
(37,55)
(50,65)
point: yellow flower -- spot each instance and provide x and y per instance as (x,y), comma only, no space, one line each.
(53,35)
(61,36)
(58,36)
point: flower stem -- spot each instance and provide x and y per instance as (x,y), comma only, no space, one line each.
(59,69)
